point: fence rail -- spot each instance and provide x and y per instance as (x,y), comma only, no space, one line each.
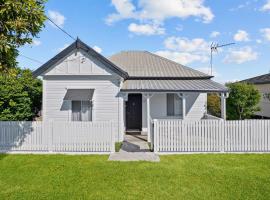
(212,136)
(57,136)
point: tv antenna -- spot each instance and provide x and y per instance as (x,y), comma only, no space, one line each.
(214,48)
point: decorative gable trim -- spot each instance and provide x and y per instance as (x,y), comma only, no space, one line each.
(78,44)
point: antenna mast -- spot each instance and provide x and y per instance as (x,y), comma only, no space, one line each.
(214,48)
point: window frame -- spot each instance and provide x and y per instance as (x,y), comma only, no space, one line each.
(174,107)
(81,108)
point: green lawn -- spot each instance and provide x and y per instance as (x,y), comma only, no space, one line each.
(175,177)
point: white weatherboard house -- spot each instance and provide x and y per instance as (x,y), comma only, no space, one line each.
(129,88)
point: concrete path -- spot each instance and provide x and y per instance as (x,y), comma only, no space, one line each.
(134,148)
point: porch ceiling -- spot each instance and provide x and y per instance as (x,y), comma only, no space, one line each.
(198,85)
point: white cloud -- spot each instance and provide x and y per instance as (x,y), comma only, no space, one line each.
(125,9)
(266,33)
(266,6)
(146,29)
(57,18)
(245,4)
(97,49)
(241,55)
(187,45)
(160,10)
(36,43)
(214,34)
(185,51)
(181,57)
(259,41)
(241,36)
(63,47)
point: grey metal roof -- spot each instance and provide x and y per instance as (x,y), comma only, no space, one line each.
(146,64)
(198,85)
(78,44)
(263,79)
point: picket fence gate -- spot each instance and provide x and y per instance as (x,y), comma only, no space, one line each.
(26,136)
(211,136)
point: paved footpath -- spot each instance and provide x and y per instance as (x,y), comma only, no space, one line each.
(134,148)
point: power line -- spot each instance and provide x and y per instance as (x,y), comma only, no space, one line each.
(61,29)
(37,61)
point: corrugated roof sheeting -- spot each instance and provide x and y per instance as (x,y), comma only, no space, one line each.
(199,85)
(146,64)
(263,79)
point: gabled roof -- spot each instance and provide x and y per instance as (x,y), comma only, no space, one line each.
(78,44)
(143,64)
(263,79)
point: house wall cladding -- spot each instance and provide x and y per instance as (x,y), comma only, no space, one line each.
(47,137)
(80,71)
(264,103)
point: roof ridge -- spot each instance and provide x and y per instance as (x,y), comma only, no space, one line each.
(189,68)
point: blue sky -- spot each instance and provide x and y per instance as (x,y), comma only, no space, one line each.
(181,30)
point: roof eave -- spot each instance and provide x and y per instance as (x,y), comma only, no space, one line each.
(160,91)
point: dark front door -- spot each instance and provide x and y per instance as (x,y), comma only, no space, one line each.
(134,112)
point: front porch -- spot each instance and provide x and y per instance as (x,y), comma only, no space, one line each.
(140,108)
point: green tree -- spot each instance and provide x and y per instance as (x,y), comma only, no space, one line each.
(213,104)
(20,95)
(243,101)
(20,21)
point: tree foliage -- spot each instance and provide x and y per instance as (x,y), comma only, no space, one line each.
(20,95)
(213,104)
(243,101)
(20,21)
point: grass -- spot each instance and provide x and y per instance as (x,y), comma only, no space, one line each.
(118,146)
(175,177)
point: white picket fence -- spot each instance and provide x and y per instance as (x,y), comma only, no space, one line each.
(57,136)
(211,136)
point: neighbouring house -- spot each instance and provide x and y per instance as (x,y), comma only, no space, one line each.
(262,83)
(130,88)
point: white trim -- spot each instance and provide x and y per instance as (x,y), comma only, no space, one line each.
(188,153)
(50,152)
(223,105)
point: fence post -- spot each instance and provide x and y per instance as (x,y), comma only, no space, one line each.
(112,138)
(50,135)
(223,125)
(155,135)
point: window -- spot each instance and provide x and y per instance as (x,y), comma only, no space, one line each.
(81,111)
(174,105)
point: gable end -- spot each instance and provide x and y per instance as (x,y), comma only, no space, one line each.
(78,44)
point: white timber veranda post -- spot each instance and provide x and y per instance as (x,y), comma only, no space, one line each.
(148,119)
(148,111)
(184,106)
(223,97)
(183,97)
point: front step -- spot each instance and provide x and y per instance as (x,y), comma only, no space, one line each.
(134,156)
